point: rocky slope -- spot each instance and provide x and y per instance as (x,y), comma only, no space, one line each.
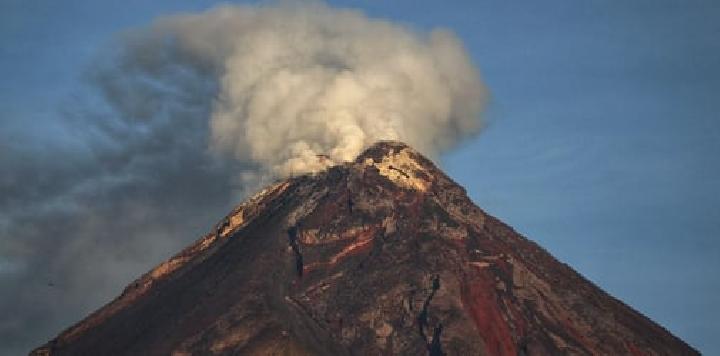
(384,255)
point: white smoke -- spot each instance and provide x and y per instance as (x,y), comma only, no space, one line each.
(297,81)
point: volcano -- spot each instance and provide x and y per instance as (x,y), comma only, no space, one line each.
(385,255)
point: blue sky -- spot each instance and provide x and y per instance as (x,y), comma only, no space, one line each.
(601,141)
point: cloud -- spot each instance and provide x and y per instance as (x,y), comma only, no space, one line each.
(184,117)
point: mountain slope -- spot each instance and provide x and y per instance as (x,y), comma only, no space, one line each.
(384,255)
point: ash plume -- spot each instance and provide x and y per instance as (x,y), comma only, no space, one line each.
(184,117)
(298,81)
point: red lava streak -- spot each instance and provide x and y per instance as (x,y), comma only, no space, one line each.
(361,244)
(481,301)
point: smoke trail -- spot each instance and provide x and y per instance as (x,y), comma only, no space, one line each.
(183,114)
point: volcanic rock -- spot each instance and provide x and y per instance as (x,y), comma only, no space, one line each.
(385,255)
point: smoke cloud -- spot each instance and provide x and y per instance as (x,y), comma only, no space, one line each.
(184,117)
(295,82)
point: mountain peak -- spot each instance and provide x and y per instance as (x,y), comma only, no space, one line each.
(383,148)
(383,255)
(400,164)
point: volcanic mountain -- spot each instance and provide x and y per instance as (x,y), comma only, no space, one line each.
(385,255)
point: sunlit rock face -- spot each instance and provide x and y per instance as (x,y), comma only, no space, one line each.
(383,255)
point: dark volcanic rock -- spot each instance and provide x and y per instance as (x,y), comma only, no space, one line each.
(385,255)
